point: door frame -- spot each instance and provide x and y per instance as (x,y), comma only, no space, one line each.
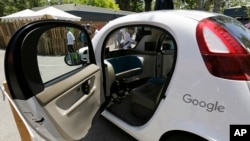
(24,80)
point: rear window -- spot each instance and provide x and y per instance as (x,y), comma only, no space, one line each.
(236,28)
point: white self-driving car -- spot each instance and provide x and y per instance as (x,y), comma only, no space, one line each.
(183,76)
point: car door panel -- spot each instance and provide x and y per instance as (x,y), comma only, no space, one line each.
(57,89)
(69,108)
(63,105)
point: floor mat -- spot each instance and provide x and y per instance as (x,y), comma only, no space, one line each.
(104,130)
(123,111)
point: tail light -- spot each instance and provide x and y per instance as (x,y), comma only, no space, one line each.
(224,56)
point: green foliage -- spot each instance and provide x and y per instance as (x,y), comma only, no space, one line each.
(233,3)
(11,6)
(100,3)
(185,4)
(207,5)
(7,6)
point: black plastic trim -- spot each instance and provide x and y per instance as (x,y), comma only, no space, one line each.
(21,66)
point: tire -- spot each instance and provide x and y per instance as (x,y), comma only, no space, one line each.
(67,59)
(181,136)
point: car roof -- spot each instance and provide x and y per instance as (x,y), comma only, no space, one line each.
(167,14)
(174,19)
(194,14)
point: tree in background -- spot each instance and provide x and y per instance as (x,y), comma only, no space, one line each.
(136,6)
(2,7)
(148,5)
(34,3)
(123,4)
(207,5)
(164,4)
(130,5)
(186,4)
(217,6)
(12,6)
(98,3)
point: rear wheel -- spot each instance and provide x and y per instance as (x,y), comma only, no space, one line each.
(181,136)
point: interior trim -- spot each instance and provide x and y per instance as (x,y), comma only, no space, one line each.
(53,91)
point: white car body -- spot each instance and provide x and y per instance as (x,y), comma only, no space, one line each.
(195,101)
(173,113)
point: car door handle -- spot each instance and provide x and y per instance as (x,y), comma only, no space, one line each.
(86,88)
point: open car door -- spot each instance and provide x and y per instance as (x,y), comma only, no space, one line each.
(55,89)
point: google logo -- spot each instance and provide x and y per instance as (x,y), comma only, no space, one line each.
(210,107)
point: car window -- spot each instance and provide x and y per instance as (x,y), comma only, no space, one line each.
(143,38)
(149,49)
(61,50)
(123,38)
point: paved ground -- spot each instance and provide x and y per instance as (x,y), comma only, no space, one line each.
(8,129)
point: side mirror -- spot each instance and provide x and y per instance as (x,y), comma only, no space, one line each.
(63,48)
(41,49)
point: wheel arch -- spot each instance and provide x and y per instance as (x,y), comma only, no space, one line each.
(168,136)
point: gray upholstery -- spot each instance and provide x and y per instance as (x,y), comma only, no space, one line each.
(145,99)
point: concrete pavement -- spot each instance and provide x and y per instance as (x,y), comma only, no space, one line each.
(8,128)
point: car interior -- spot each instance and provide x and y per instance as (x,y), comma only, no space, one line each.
(137,77)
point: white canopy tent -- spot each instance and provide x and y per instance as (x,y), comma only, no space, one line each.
(57,14)
(26,14)
(51,12)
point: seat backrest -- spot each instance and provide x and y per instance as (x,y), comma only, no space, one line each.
(126,66)
(110,76)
